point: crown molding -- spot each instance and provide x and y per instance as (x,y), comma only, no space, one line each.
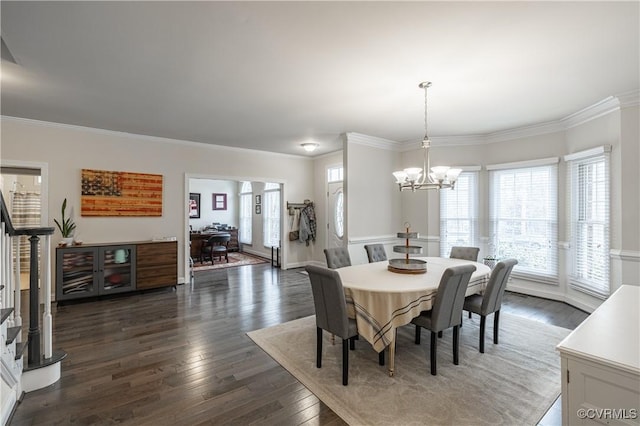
(592,112)
(629,99)
(373,141)
(154,139)
(597,110)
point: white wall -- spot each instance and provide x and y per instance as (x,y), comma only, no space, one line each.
(374,208)
(68,149)
(206,188)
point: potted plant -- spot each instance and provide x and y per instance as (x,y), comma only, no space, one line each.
(66,226)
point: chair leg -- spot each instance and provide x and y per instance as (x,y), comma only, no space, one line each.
(496,320)
(483,321)
(469,314)
(345,362)
(440,334)
(433,352)
(456,344)
(318,347)
(381,357)
(352,343)
(417,334)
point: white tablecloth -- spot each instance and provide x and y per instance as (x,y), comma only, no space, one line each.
(381,300)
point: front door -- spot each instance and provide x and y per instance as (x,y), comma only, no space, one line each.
(335,216)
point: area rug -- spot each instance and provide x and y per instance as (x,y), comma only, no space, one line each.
(235,259)
(514,382)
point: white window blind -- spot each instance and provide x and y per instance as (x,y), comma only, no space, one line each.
(524,219)
(459,214)
(589,224)
(271,215)
(246,194)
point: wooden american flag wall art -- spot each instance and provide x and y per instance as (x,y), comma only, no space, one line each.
(107,193)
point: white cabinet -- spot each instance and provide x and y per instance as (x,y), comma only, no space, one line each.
(600,363)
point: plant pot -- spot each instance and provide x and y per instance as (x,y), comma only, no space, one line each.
(67,241)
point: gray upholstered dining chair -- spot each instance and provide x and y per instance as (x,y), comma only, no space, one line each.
(375,252)
(337,257)
(447,309)
(466,253)
(491,301)
(331,313)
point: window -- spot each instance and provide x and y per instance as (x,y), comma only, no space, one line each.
(335,174)
(246,194)
(589,221)
(271,216)
(459,214)
(524,217)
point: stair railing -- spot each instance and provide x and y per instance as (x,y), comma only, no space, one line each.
(10,274)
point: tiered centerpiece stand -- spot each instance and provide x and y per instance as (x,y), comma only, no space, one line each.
(407,265)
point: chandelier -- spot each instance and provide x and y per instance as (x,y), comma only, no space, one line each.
(414,178)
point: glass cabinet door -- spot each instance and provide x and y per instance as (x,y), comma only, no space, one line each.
(76,271)
(117,269)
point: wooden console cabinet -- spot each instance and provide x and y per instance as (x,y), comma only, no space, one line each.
(156,264)
(600,363)
(100,269)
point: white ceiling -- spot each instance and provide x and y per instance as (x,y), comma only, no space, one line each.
(271,75)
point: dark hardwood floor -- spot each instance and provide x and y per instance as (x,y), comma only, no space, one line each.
(181,357)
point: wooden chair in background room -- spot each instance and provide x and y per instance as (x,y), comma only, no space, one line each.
(375,252)
(447,309)
(491,301)
(216,246)
(337,257)
(466,253)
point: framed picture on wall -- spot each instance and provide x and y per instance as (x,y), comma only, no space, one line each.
(258,199)
(219,201)
(258,209)
(194,205)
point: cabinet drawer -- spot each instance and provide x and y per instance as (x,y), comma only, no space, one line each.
(157,271)
(157,276)
(157,254)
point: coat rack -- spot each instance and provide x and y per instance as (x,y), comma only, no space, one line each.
(297,206)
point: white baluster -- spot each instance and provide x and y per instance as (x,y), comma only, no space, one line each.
(3,270)
(47,322)
(17,316)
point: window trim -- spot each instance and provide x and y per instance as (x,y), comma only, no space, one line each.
(594,288)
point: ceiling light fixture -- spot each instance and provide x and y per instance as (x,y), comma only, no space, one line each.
(415,178)
(309,146)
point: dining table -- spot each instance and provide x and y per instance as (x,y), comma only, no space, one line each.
(381,300)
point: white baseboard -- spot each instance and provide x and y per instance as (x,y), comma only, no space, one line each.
(552,295)
(303,264)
